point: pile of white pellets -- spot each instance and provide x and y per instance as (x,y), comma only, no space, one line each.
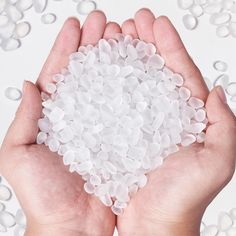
(226,225)
(115,113)
(9,220)
(222,14)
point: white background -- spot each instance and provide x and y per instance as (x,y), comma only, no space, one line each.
(26,62)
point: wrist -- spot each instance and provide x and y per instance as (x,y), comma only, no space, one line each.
(46,231)
(61,231)
(161,229)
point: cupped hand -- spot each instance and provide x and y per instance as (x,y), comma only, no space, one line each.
(177,193)
(52,198)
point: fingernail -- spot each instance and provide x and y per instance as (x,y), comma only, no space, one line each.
(221,94)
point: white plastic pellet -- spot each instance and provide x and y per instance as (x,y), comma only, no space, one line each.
(232,28)
(188,140)
(213,8)
(21,30)
(220,18)
(233,9)
(222,233)
(10,44)
(224,221)
(231,89)
(231,232)
(200,2)
(19,231)
(85,7)
(202,226)
(222,31)
(117,211)
(195,103)
(40,5)
(20,218)
(2,206)
(196,10)
(7,219)
(184,93)
(208,83)
(13,93)
(233,99)
(220,66)
(190,21)
(7,30)
(24,5)
(5,193)
(228,4)
(185,4)
(222,80)
(111,121)
(3,229)
(13,13)
(48,18)
(233,213)
(210,230)
(2,5)
(3,20)
(51,88)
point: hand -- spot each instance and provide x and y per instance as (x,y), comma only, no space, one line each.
(177,193)
(52,198)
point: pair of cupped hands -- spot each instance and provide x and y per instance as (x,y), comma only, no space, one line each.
(177,193)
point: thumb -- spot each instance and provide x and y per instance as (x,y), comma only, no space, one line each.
(24,128)
(221,134)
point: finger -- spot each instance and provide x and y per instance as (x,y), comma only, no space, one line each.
(66,43)
(93,28)
(24,128)
(221,134)
(129,28)
(111,30)
(177,58)
(144,20)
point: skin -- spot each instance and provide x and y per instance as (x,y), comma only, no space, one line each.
(52,198)
(177,193)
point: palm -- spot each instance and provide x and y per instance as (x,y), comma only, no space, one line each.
(52,195)
(188,177)
(173,185)
(49,193)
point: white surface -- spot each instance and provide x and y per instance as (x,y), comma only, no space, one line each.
(26,62)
